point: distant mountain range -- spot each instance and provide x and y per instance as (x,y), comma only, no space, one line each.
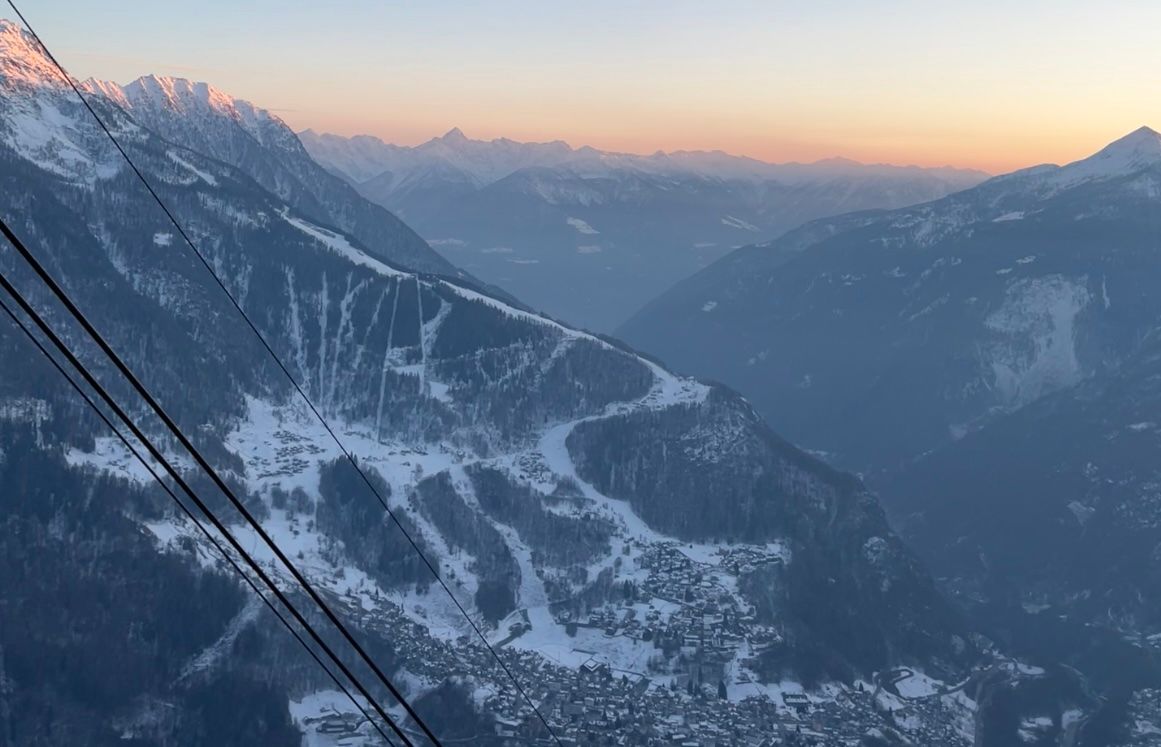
(589,235)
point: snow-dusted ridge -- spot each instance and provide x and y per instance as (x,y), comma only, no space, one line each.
(22,64)
(669,389)
(1140,149)
(187,98)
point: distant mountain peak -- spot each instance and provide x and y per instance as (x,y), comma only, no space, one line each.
(1143,142)
(1140,149)
(838,161)
(454,135)
(1144,131)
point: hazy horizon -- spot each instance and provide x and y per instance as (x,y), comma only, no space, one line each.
(981,86)
(579,145)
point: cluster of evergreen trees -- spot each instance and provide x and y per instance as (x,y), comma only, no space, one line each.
(96,626)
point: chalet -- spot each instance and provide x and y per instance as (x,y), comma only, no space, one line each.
(336,725)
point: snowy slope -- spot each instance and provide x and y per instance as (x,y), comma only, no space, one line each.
(940,316)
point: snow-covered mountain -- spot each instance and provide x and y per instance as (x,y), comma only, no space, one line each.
(593,511)
(588,235)
(1046,523)
(1075,477)
(990,361)
(201,117)
(938,316)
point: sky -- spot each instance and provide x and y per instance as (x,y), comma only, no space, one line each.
(984,84)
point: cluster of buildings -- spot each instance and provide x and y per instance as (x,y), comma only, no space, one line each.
(1145,715)
(698,690)
(292,457)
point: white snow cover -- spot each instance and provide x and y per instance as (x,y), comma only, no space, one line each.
(203,175)
(454,243)
(45,135)
(312,709)
(22,63)
(208,658)
(733,222)
(1035,352)
(581,226)
(918,685)
(42,118)
(110,455)
(669,389)
(339,244)
(188,97)
(1139,149)
(1130,155)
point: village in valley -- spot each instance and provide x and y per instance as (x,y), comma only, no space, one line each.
(672,662)
(658,642)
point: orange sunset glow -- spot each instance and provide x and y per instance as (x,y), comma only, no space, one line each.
(905,83)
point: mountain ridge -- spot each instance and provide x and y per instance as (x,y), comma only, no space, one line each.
(210,121)
(733,166)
